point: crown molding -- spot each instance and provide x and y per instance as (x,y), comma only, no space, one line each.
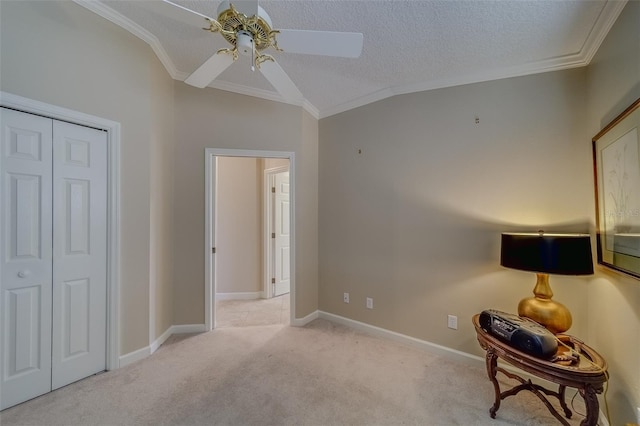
(601,27)
(257,93)
(479,77)
(370,98)
(122,21)
(597,34)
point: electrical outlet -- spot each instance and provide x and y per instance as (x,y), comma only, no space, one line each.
(369,303)
(346,298)
(452,322)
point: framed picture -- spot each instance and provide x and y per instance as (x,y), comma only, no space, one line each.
(616,163)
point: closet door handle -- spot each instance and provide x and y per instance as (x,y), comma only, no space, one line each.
(24,274)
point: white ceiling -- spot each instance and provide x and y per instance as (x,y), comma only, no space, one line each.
(409,45)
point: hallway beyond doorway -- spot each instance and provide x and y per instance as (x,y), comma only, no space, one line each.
(247,313)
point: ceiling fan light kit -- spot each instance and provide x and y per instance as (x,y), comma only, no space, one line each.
(245,43)
(251,34)
(237,28)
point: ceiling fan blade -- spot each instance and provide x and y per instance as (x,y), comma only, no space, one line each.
(176,12)
(209,70)
(328,43)
(280,80)
(248,7)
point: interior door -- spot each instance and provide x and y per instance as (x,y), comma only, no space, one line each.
(79,252)
(25,256)
(282,240)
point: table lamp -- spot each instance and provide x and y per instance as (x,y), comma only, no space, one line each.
(544,254)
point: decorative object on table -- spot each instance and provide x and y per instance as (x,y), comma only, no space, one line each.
(587,374)
(544,254)
(616,165)
(522,333)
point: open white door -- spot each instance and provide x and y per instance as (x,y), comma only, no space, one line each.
(282,235)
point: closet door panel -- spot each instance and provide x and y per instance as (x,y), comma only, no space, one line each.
(25,256)
(80,252)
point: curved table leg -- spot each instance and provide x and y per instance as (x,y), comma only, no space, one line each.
(492,369)
(563,404)
(591,401)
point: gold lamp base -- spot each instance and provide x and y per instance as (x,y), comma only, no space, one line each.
(543,310)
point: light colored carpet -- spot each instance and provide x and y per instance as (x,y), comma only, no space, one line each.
(248,313)
(321,374)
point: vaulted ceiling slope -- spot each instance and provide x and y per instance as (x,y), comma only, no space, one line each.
(409,45)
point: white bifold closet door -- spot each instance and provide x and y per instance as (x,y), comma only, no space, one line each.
(52,256)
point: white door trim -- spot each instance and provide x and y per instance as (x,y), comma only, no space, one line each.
(210,179)
(112,128)
(267,220)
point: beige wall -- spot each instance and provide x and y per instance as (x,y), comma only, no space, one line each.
(209,118)
(161,203)
(62,54)
(68,56)
(307,215)
(271,163)
(414,220)
(239,225)
(613,83)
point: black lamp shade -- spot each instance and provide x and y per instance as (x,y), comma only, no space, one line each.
(563,254)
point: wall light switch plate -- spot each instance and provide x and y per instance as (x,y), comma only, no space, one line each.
(452,322)
(346,298)
(369,303)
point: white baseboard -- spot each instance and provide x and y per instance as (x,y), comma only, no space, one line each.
(187,328)
(134,356)
(142,353)
(239,296)
(301,322)
(434,348)
(159,341)
(402,338)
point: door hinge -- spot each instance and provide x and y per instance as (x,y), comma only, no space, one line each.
(273,235)
(273,189)
(273,280)
(213,250)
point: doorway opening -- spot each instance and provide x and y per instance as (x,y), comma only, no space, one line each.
(250,238)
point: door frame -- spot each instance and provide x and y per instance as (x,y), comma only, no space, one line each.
(210,183)
(268,254)
(112,128)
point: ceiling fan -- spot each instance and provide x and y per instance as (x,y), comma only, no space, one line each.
(248,28)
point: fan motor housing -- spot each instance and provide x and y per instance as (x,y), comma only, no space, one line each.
(236,25)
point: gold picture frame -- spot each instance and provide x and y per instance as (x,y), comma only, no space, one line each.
(616,165)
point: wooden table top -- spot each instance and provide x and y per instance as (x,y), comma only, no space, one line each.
(591,367)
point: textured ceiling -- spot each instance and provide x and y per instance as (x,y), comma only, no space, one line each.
(409,45)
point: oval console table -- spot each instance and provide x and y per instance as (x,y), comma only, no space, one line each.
(588,375)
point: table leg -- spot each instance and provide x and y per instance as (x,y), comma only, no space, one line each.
(563,404)
(492,369)
(591,402)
